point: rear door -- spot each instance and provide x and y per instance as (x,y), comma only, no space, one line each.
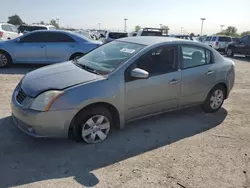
(59,47)
(198,74)
(242,46)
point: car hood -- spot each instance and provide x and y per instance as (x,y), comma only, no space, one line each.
(57,77)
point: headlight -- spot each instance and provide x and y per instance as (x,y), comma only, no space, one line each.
(44,101)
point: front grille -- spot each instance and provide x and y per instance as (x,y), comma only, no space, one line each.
(21,96)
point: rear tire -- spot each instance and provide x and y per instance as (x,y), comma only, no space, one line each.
(229,52)
(215,99)
(5,59)
(92,125)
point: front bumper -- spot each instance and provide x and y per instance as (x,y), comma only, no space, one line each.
(42,124)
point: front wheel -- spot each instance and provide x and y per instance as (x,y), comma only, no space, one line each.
(93,125)
(215,99)
(5,59)
(230,52)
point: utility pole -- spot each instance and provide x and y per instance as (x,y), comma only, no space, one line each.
(181,30)
(202,20)
(99,24)
(57,21)
(125,24)
(160,25)
(221,27)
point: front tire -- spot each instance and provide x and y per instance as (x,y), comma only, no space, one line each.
(5,59)
(215,99)
(229,52)
(93,125)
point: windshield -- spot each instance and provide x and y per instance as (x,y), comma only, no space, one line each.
(225,39)
(34,28)
(151,33)
(83,36)
(110,56)
(117,35)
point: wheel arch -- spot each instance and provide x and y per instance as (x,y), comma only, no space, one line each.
(224,85)
(111,108)
(7,53)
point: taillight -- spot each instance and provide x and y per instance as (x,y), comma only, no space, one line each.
(217,43)
(1,34)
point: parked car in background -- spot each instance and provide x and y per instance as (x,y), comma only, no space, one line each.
(110,36)
(234,39)
(241,46)
(121,81)
(30,28)
(207,40)
(150,32)
(133,34)
(45,47)
(8,31)
(220,43)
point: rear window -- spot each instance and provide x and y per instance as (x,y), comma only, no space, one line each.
(225,39)
(151,33)
(34,28)
(117,35)
(214,39)
(208,38)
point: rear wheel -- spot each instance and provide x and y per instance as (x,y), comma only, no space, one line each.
(5,59)
(230,52)
(93,125)
(215,99)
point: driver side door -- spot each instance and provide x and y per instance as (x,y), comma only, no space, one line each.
(31,48)
(161,90)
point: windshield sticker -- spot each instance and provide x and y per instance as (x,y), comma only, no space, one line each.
(126,50)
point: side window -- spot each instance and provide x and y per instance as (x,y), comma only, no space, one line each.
(6,28)
(158,61)
(208,38)
(214,39)
(244,39)
(59,37)
(193,56)
(34,37)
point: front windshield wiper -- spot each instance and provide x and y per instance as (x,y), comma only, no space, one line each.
(85,67)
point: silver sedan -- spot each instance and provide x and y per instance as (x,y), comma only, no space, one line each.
(121,81)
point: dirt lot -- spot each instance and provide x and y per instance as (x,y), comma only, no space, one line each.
(180,149)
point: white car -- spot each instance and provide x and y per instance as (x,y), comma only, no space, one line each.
(35,27)
(8,31)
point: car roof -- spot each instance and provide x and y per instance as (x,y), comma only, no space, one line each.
(57,31)
(149,40)
(154,40)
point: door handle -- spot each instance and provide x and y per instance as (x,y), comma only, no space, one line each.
(210,72)
(173,82)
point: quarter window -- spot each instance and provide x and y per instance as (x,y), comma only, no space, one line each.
(193,56)
(158,61)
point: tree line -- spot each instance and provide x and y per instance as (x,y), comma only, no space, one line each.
(16,20)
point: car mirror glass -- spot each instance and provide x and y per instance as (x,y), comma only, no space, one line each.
(139,73)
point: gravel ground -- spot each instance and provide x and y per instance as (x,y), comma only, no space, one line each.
(182,149)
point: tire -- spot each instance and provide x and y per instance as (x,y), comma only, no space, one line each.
(5,59)
(76,56)
(88,129)
(215,99)
(229,52)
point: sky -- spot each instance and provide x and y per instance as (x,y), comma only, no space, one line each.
(176,14)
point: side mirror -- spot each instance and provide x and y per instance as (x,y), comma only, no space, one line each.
(139,73)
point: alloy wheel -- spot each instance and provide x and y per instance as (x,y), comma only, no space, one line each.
(229,52)
(216,99)
(3,60)
(95,129)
